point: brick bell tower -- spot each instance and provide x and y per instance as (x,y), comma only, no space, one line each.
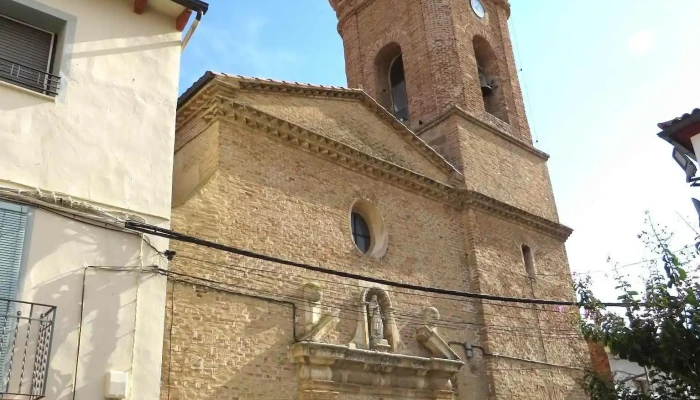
(446,69)
(448,53)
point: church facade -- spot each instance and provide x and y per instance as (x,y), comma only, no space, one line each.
(423,172)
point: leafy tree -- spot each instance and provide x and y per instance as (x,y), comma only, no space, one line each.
(660,328)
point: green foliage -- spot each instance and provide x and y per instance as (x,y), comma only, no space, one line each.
(659,330)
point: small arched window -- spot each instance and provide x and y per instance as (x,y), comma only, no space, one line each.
(360,232)
(397,82)
(528,259)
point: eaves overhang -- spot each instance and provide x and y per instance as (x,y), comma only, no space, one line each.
(679,131)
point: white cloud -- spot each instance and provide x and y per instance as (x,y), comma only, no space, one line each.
(640,42)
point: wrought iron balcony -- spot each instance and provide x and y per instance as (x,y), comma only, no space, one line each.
(29,78)
(26,332)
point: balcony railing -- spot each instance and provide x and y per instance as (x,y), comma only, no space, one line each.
(26,332)
(28,77)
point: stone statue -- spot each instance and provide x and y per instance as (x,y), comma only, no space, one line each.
(376,324)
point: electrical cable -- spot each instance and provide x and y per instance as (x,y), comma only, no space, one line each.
(411,320)
(275,283)
(248,269)
(115,224)
(173,235)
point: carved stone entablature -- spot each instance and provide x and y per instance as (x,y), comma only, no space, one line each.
(326,370)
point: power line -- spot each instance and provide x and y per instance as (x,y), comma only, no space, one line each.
(344,307)
(614,269)
(409,320)
(173,235)
(249,271)
(294,308)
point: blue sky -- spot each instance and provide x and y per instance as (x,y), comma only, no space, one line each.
(597,77)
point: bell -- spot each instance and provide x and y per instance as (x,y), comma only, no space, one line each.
(486,88)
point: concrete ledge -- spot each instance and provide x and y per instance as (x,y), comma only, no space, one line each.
(42,96)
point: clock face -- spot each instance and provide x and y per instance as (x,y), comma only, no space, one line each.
(478,8)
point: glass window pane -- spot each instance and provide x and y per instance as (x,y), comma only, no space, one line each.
(360,232)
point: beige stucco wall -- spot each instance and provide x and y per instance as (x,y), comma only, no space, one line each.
(106,139)
(120,329)
(108,136)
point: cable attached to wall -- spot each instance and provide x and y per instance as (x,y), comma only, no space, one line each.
(173,235)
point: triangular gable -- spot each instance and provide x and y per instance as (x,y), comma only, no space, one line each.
(350,120)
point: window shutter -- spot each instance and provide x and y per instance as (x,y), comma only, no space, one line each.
(25,45)
(13,224)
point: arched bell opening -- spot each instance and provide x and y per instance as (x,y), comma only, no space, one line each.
(391,81)
(489,79)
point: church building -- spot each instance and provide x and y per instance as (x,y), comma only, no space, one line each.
(422,172)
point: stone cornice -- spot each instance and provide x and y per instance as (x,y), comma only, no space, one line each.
(406,134)
(456,110)
(314,353)
(213,104)
(228,85)
(336,152)
(356,160)
(345,8)
(484,203)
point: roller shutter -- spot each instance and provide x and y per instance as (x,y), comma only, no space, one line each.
(25,53)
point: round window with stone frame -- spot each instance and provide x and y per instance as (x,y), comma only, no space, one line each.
(367,229)
(478,8)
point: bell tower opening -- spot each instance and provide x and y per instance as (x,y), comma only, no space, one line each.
(489,79)
(391,81)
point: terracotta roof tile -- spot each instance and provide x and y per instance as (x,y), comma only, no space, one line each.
(694,114)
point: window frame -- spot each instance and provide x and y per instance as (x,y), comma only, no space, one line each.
(62,26)
(48,78)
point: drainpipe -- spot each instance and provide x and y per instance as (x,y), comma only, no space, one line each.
(190,31)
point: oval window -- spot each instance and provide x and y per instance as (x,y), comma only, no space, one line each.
(367,229)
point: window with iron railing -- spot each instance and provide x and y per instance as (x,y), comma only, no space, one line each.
(27,56)
(25,344)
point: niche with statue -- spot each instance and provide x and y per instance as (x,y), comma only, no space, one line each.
(371,364)
(376,326)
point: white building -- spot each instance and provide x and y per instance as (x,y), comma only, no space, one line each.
(88,92)
(629,374)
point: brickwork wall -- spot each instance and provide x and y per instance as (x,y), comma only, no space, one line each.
(600,362)
(377,25)
(285,202)
(548,334)
(347,121)
(282,201)
(497,168)
(436,38)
